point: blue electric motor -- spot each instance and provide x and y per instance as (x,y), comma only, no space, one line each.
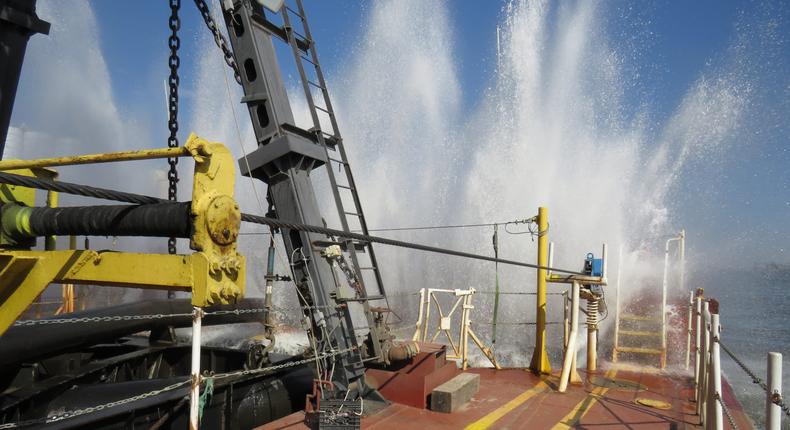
(593,266)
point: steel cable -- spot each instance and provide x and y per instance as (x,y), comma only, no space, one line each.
(273,222)
(102,193)
(76,189)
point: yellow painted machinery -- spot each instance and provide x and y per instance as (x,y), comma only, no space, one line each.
(214,273)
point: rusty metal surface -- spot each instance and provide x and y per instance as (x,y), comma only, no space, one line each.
(416,378)
(589,405)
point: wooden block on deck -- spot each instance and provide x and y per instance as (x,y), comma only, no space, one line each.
(455,393)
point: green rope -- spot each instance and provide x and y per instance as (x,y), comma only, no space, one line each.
(205,398)
(496,289)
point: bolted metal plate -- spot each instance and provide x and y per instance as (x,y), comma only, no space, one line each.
(617,384)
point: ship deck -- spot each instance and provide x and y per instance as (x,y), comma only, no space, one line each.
(517,399)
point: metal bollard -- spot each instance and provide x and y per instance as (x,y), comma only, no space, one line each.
(773,413)
(714,416)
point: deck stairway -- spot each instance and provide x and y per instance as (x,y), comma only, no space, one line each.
(639,337)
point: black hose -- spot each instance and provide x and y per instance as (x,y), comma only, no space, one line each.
(152,220)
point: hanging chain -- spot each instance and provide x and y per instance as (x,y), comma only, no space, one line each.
(112,318)
(172,106)
(219,39)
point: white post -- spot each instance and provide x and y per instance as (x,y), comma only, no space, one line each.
(551,259)
(566,324)
(664,298)
(703,374)
(715,418)
(570,350)
(698,350)
(467,307)
(194,396)
(688,330)
(773,413)
(418,326)
(604,261)
(682,269)
(617,303)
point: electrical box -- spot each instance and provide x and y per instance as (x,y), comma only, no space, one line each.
(593,266)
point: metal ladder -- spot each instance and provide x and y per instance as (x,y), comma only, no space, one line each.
(639,329)
(304,51)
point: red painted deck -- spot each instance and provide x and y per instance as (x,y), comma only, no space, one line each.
(517,399)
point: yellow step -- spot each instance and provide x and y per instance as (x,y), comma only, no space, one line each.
(639,350)
(639,318)
(639,333)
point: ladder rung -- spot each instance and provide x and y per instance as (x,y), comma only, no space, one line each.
(639,318)
(368,268)
(337,161)
(323,110)
(308,60)
(294,12)
(345,186)
(639,333)
(351,213)
(315,85)
(639,350)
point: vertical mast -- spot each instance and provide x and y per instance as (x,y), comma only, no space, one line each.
(18,21)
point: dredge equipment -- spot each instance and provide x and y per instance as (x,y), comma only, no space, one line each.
(348,329)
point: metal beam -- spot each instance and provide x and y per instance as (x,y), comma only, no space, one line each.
(18,21)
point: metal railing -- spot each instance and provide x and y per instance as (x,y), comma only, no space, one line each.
(711,407)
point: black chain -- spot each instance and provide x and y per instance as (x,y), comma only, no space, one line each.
(172,106)
(219,39)
(726,412)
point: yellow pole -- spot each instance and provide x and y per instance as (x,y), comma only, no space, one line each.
(144,154)
(540,358)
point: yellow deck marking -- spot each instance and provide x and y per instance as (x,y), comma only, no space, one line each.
(491,418)
(581,408)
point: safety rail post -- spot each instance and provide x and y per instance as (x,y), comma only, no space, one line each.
(773,412)
(617,303)
(713,417)
(703,373)
(568,362)
(697,350)
(688,330)
(194,394)
(566,324)
(540,357)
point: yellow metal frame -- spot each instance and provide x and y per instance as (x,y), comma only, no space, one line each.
(215,273)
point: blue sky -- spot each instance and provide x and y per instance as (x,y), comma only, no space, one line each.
(669,45)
